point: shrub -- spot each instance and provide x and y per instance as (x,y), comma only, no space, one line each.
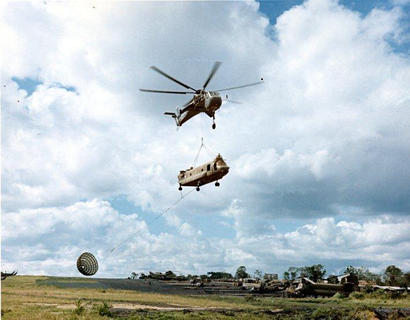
(357,295)
(362,315)
(378,294)
(104,309)
(339,295)
(327,313)
(250,298)
(395,294)
(79,309)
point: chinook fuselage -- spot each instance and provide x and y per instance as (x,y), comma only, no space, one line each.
(203,174)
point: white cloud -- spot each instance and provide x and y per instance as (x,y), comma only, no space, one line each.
(267,163)
(49,240)
(102,139)
(401,2)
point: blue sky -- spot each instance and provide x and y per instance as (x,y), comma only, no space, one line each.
(273,9)
(317,154)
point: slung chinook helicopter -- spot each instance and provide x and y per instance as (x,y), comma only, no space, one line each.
(206,173)
(203,101)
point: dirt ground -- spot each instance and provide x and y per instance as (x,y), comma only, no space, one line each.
(157,286)
(34,297)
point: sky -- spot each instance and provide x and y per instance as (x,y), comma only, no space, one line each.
(318,154)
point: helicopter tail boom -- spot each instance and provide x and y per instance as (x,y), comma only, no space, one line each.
(173,115)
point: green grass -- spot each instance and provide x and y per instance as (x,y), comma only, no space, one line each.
(32,297)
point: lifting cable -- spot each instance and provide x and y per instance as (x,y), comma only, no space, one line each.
(155,218)
(199,151)
(210,153)
(176,202)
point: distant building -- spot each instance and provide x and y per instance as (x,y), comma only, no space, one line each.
(270,276)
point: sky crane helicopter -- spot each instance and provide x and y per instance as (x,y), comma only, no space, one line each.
(203,101)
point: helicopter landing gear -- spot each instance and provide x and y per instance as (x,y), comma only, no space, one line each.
(217,184)
(180,188)
(213,123)
(197,188)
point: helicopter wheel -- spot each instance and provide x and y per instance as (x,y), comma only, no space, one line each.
(197,188)
(214,126)
(180,188)
(217,184)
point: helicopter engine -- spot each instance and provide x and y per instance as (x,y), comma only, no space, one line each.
(213,102)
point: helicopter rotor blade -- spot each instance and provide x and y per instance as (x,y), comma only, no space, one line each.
(166,91)
(171,78)
(245,85)
(212,73)
(231,101)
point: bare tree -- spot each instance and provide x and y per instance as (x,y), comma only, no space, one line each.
(4,275)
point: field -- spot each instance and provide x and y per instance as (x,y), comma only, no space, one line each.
(35,297)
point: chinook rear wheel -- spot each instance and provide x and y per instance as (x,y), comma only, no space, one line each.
(217,184)
(214,126)
(180,188)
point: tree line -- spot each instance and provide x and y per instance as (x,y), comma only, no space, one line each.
(392,275)
(212,275)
